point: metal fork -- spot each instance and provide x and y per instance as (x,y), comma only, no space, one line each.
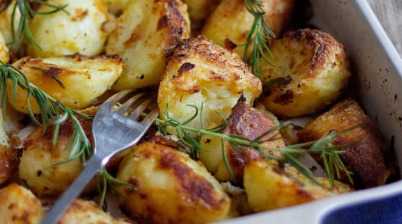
(113,131)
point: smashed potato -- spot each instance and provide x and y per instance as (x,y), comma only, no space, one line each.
(365,148)
(19,206)
(201,73)
(268,187)
(146,31)
(232,21)
(78,31)
(37,168)
(4,56)
(87,212)
(310,72)
(77,81)
(170,187)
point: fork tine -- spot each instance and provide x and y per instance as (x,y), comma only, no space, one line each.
(116,97)
(140,109)
(129,103)
(151,116)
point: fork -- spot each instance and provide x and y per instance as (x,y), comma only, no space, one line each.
(113,131)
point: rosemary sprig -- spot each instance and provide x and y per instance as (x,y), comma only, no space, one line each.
(52,112)
(27,14)
(324,146)
(258,38)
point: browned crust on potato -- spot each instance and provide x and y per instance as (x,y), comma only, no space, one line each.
(365,146)
(9,160)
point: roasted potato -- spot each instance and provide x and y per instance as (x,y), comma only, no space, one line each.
(19,206)
(309,72)
(268,187)
(201,73)
(74,80)
(115,6)
(169,187)
(37,167)
(8,156)
(5,22)
(146,32)
(232,21)
(87,212)
(244,121)
(200,9)
(78,31)
(4,56)
(365,147)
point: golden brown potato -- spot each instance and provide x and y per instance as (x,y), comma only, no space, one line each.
(310,72)
(202,73)
(78,31)
(247,122)
(4,56)
(170,187)
(200,9)
(268,187)
(19,206)
(8,162)
(5,22)
(231,20)
(77,81)
(365,146)
(35,168)
(87,212)
(146,31)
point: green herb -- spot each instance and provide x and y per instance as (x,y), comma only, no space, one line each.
(27,14)
(258,38)
(52,112)
(289,154)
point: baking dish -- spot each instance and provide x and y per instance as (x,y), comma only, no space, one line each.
(377,85)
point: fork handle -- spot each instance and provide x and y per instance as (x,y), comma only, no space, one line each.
(91,168)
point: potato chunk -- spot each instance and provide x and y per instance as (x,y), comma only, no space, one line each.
(268,187)
(19,206)
(231,20)
(247,122)
(115,6)
(4,56)
(87,212)
(200,9)
(75,80)
(310,72)
(5,22)
(78,31)
(365,146)
(202,73)
(36,169)
(145,33)
(170,187)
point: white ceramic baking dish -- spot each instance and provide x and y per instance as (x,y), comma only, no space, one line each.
(377,68)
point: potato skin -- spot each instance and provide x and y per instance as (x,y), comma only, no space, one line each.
(200,72)
(83,78)
(40,154)
(231,20)
(310,72)
(4,56)
(146,31)
(268,187)
(87,212)
(19,206)
(170,187)
(367,147)
(60,33)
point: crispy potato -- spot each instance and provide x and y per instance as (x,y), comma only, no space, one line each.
(310,72)
(231,20)
(365,146)
(242,121)
(4,56)
(78,31)
(87,212)
(145,33)
(268,187)
(115,6)
(200,9)
(75,80)
(5,22)
(19,206)
(202,73)
(35,168)
(9,161)
(170,187)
